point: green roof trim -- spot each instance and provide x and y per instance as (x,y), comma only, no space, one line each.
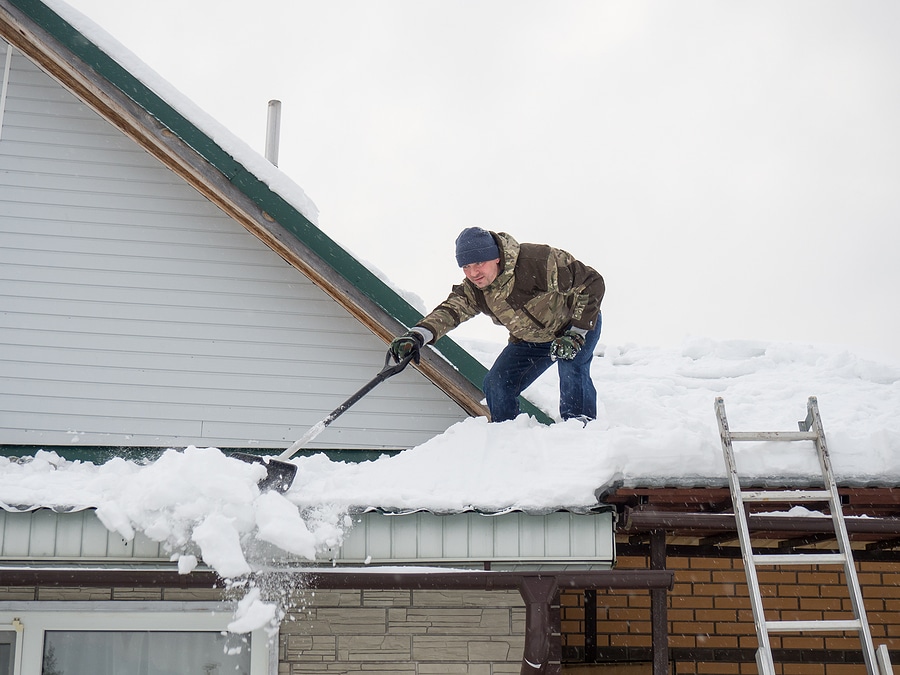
(100,454)
(272,203)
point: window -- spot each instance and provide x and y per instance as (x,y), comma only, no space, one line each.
(7,650)
(108,638)
(81,652)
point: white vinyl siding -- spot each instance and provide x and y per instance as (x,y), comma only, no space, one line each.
(506,541)
(133,312)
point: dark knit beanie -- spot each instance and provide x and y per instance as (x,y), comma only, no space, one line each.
(474,245)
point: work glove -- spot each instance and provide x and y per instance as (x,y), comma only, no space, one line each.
(407,344)
(567,345)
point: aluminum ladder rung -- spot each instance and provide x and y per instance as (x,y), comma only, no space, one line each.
(812,626)
(773,435)
(785,495)
(800,559)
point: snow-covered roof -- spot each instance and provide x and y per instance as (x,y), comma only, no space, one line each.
(656,426)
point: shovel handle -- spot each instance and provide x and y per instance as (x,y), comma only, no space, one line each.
(389,370)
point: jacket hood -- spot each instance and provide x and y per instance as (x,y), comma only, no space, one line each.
(509,254)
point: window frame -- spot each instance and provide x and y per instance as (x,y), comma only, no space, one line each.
(31,620)
(15,627)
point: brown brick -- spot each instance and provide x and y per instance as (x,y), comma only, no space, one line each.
(728,601)
(844,669)
(630,641)
(819,603)
(717,641)
(677,563)
(768,577)
(803,669)
(629,615)
(717,615)
(710,563)
(631,562)
(736,577)
(611,600)
(866,579)
(803,642)
(714,589)
(798,591)
(640,600)
(695,576)
(692,601)
(717,669)
(682,641)
(842,642)
(819,578)
(569,627)
(889,581)
(684,615)
(693,627)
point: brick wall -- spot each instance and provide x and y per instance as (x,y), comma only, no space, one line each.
(711,624)
(413,632)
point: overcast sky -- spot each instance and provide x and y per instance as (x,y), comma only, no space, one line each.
(731,168)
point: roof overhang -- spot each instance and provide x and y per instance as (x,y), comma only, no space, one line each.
(700,521)
(510,541)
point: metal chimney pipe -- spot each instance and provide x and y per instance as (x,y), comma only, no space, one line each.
(273,131)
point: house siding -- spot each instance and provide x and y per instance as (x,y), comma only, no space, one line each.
(416,632)
(136,313)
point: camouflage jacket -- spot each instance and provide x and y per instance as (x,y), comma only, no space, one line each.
(540,292)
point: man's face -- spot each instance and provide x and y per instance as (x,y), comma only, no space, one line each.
(482,273)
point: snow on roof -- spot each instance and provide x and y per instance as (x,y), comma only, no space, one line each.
(656,426)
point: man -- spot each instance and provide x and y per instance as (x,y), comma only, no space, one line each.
(548,301)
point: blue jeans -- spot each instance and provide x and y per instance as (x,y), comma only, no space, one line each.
(521,363)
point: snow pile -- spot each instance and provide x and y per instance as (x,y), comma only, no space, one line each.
(656,425)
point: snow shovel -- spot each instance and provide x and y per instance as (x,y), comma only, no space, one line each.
(279,472)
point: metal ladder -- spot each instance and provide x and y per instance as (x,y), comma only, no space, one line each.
(877,662)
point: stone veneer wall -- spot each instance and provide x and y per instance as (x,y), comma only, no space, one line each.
(405,632)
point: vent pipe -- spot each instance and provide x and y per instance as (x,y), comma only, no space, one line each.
(5,86)
(273,131)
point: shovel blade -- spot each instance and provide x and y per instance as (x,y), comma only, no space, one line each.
(279,475)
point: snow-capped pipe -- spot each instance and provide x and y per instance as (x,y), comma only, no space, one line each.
(273,131)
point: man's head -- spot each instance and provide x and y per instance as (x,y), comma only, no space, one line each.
(478,255)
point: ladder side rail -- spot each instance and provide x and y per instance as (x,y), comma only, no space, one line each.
(884,660)
(765,664)
(843,539)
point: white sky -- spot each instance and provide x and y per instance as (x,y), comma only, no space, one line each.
(732,169)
